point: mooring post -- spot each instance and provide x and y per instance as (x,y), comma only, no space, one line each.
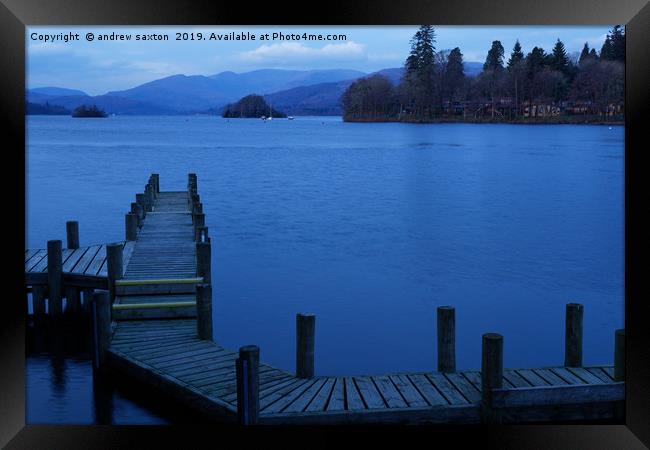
(140,200)
(204,261)
(573,336)
(202,234)
(114,267)
(131,226)
(101,318)
(491,374)
(156,181)
(248,380)
(619,355)
(446,339)
(55,277)
(204,311)
(72,232)
(305,337)
(148,195)
(137,210)
(199,221)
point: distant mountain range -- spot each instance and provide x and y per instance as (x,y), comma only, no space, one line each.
(295,92)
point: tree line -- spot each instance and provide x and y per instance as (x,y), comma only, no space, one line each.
(538,84)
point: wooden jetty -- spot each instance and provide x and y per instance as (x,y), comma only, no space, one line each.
(150,303)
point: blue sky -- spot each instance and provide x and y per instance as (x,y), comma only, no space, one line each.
(98,67)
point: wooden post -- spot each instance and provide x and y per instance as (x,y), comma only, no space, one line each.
(305,337)
(491,374)
(248,381)
(101,317)
(114,267)
(131,226)
(72,232)
(136,209)
(156,181)
(204,261)
(140,200)
(202,234)
(619,356)
(54,277)
(446,339)
(148,195)
(199,221)
(38,300)
(72,302)
(573,336)
(204,311)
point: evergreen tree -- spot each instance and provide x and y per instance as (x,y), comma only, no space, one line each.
(454,74)
(494,60)
(419,77)
(559,59)
(584,54)
(593,54)
(607,50)
(516,56)
(617,44)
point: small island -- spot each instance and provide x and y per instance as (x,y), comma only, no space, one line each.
(251,106)
(88,111)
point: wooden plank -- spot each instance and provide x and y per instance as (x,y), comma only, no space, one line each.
(86,259)
(35,259)
(598,372)
(389,392)
(96,263)
(270,389)
(408,391)
(551,377)
(282,402)
(352,396)
(72,261)
(299,385)
(305,399)
(568,376)
(337,398)
(427,390)
(29,254)
(85,281)
(471,394)
(585,375)
(369,393)
(532,377)
(156,289)
(446,389)
(558,395)
(319,402)
(514,379)
(609,371)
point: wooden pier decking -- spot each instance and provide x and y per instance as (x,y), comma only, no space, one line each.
(157,323)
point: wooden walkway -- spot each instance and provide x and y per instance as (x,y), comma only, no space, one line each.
(169,354)
(154,324)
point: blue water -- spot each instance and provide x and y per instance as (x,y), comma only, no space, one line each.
(369,226)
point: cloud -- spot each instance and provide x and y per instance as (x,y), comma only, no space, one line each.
(298,53)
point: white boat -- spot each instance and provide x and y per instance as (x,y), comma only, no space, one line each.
(290,117)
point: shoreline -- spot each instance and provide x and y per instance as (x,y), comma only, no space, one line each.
(546,121)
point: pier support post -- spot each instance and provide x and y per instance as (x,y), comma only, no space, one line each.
(573,336)
(446,339)
(72,302)
(204,311)
(72,232)
(101,317)
(491,374)
(148,198)
(248,380)
(131,226)
(305,337)
(204,261)
(199,221)
(55,277)
(114,267)
(619,356)
(38,300)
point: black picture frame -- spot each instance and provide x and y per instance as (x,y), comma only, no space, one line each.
(16,14)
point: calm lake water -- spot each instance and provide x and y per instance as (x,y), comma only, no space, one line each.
(369,226)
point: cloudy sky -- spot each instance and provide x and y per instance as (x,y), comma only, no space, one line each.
(97,67)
